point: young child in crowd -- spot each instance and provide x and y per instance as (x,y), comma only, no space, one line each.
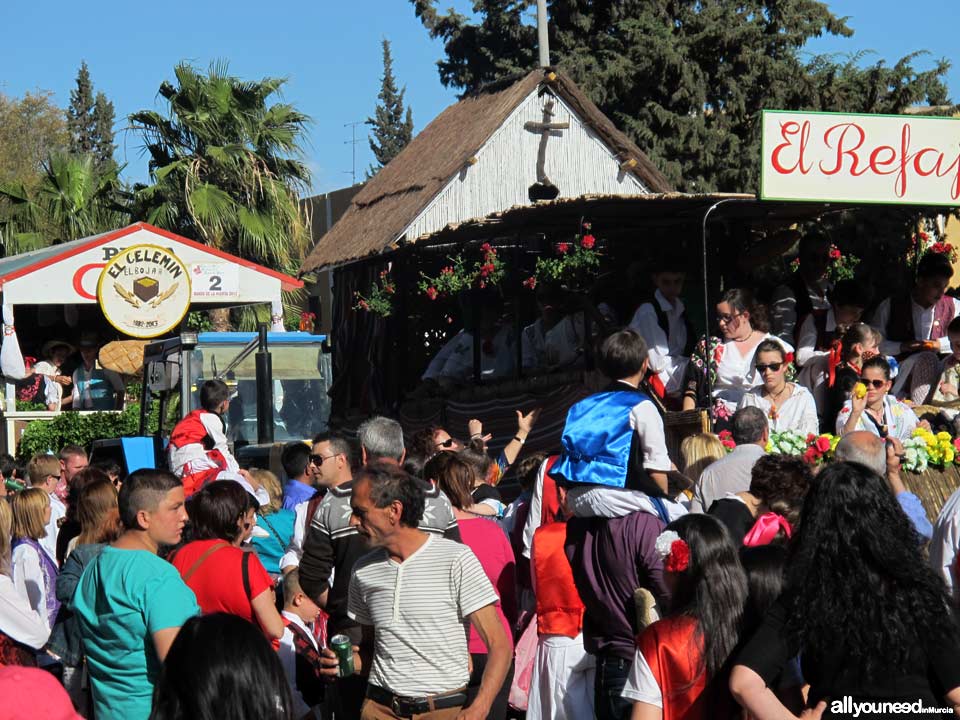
(44,473)
(298,650)
(614,449)
(680,665)
(947,394)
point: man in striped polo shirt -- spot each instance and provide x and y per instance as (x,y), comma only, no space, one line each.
(413,597)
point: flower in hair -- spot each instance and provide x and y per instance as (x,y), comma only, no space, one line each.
(674,551)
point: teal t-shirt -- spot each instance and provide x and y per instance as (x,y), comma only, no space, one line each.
(122,599)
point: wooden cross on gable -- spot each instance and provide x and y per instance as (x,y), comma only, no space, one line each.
(544,189)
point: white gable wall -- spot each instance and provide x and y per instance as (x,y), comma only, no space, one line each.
(578,162)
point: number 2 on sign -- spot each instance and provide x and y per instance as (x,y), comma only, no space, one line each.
(215,283)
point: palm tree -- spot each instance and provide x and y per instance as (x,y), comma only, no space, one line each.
(225,167)
(73,199)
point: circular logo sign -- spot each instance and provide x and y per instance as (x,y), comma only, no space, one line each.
(144,291)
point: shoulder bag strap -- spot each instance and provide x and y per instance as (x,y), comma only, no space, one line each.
(200,560)
(245,572)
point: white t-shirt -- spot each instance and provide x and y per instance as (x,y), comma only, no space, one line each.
(798,412)
(641,685)
(665,353)
(294,551)
(52,390)
(419,609)
(28,578)
(20,621)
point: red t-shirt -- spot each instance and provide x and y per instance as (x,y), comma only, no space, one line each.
(218,582)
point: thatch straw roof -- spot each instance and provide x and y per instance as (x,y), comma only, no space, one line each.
(394,197)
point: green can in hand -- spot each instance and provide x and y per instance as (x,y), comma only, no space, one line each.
(343,649)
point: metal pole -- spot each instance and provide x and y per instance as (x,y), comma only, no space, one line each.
(543,40)
(264,366)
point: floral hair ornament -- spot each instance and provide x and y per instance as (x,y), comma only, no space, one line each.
(674,551)
(765,529)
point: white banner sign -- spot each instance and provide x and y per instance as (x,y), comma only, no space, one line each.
(213,280)
(832,157)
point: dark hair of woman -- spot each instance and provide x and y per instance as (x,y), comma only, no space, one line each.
(742,300)
(770,346)
(421,444)
(712,590)
(858,333)
(481,462)
(216,509)
(87,476)
(780,483)
(764,565)
(454,475)
(857,578)
(879,362)
(221,667)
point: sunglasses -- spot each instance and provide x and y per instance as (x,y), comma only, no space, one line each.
(876,383)
(772,367)
(318,459)
(446,444)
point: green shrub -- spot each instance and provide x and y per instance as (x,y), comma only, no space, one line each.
(70,428)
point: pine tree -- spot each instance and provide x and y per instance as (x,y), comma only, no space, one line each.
(392,125)
(90,121)
(80,113)
(103,117)
(686,80)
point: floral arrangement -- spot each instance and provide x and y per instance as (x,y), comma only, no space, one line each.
(786,442)
(307,320)
(841,267)
(923,242)
(380,298)
(573,261)
(674,551)
(939,449)
(488,271)
(820,448)
(726,439)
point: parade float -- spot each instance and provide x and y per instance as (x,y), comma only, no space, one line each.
(126,288)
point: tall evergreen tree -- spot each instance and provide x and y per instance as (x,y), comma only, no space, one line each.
(90,121)
(80,113)
(392,125)
(103,117)
(687,79)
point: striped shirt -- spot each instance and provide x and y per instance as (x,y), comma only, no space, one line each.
(419,611)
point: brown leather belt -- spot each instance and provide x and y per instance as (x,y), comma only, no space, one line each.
(410,706)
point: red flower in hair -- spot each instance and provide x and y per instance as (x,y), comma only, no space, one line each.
(679,558)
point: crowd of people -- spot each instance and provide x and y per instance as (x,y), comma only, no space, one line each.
(385,576)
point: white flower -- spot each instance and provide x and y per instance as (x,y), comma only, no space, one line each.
(665,541)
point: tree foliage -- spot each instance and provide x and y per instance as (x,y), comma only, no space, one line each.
(31,129)
(392,125)
(90,120)
(686,79)
(225,164)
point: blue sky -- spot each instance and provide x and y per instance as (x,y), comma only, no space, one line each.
(330,51)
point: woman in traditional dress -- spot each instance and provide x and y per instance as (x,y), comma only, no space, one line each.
(679,669)
(870,619)
(787,405)
(877,411)
(730,364)
(23,630)
(859,343)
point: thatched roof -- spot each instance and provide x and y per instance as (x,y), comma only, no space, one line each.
(392,199)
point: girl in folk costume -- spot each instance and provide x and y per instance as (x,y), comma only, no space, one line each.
(563,675)
(198,445)
(787,405)
(680,670)
(947,394)
(662,322)
(731,361)
(23,630)
(876,411)
(819,335)
(915,325)
(859,343)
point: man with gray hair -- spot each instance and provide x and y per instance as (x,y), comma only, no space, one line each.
(883,457)
(333,546)
(731,474)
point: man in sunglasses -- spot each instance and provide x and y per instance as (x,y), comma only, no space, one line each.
(333,546)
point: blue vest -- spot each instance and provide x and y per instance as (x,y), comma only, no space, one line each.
(596,442)
(596,439)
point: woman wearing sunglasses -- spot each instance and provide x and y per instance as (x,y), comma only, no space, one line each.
(787,405)
(877,411)
(744,326)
